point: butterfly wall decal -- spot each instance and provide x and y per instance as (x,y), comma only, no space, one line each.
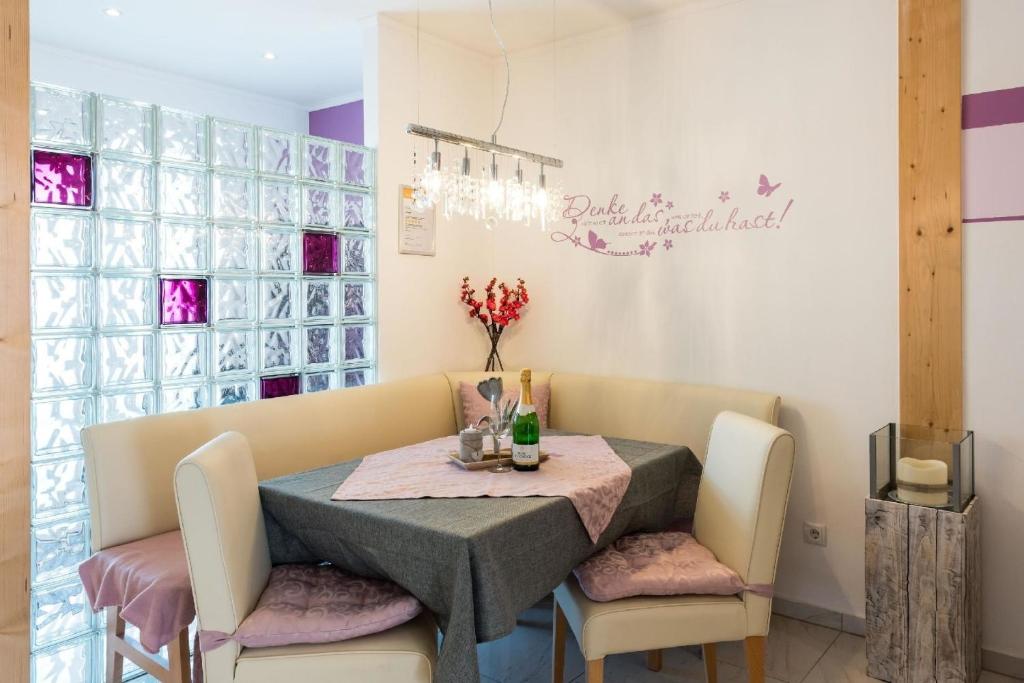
(596,243)
(766,188)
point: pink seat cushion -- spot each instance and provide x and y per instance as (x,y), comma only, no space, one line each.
(306,603)
(148,580)
(666,563)
(475,406)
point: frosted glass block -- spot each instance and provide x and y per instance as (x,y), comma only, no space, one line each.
(320,345)
(319,381)
(319,206)
(234,351)
(319,159)
(127,243)
(234,300)
(125,406)
(126,359)
(126,302)
(182,136)
(191,397)
(61,116)
(279,251)
(358,255)
(61,239)
(58,548)
(232,145)
(184,247)
(234,248)
(125,185)
(279,348)
(182,355)
(278,152)
(279,202)
(59,612)
(125,127)
(61,364)
(320,298)
(277,301)
(58,486)
(358,377)
(227,393)
(358,166)
(234,197)
(183,191)
(61,302)
(57,424)
(71,663)
(358,299)
(358,342)
(357,211)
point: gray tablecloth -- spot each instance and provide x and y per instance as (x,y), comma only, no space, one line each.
(474,562)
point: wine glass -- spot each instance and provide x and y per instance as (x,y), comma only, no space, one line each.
(500,428)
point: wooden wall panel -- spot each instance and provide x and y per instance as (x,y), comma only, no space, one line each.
(14,340)
(931,299)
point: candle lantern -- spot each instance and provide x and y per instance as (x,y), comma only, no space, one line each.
(922,466)
(922,556)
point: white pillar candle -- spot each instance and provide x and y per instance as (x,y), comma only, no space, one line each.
(912,473)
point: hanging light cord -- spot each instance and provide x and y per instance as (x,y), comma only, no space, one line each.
(508,70)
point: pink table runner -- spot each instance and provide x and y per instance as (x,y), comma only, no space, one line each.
(583,469)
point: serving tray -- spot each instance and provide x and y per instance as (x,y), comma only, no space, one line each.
(489,460)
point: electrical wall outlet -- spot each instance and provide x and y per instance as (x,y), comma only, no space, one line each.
(815,534)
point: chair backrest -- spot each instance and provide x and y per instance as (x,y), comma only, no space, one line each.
(648,410)
(225,540)
(741,502)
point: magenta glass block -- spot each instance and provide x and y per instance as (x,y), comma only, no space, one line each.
(320,253)
(273,387)
(61,178)
(183,301)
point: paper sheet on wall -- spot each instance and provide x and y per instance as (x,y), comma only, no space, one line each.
(417,230)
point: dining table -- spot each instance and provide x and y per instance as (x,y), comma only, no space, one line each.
(475,563)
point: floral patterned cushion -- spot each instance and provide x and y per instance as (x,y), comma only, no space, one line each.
(305,603)
(475,406)
(665,563)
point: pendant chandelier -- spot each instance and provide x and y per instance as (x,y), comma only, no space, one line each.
(487,196)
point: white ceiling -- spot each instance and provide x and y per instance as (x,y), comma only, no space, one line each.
(317,42)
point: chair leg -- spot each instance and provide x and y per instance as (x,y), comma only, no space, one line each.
(754,647)
(654,660)
(179,669)
(595,671)
(710,662)
(115,660)
(558,645)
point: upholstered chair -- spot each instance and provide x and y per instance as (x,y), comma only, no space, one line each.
(229,562)
(741,507)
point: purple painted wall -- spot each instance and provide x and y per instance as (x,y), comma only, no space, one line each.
(343,122)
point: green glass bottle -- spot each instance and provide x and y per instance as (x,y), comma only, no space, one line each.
(526,430)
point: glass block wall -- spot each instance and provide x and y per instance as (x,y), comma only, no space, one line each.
(178,261)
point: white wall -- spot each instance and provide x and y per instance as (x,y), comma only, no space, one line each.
(70,69)
(423,327)
(703,100)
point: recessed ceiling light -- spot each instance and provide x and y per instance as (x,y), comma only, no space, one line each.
(269,55)
(112,12)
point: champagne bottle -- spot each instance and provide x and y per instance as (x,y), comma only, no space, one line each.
(526,430)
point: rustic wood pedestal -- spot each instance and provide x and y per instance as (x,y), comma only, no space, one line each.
(923,589)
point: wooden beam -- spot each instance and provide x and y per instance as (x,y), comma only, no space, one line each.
(931,297)
(14,340)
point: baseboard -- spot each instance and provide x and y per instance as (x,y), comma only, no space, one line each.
(996,662)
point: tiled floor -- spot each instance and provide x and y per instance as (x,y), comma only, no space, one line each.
(797,652)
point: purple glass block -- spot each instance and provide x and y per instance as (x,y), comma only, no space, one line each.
(355,172)
(61,178)
(284,385)
(183,301)
(320,253)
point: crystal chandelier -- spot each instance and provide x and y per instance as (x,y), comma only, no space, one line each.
(487,196)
